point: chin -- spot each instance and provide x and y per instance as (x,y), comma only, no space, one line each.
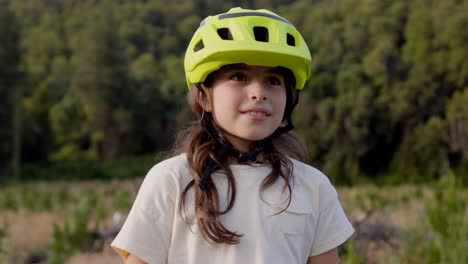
(255,137)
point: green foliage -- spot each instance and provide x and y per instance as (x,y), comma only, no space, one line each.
(376,101)
(82,223)
(104,80)
(77,235)
(66,121)
(424,143)
(63,197)
(10,80)
(101,83)
(78,169)
(9,201)
(81,210)
(374,200)
(447,217)
(445,236)
(29,197)
(88,169)
(349,255)
(457,132)
(3,237)
(436,235)
(123,201)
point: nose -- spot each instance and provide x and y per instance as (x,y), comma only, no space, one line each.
(257,91)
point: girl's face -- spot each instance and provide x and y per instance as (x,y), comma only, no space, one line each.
(247,102)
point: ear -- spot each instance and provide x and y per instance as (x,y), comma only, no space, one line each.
(208,107)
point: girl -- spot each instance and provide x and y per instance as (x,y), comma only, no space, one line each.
(232,195)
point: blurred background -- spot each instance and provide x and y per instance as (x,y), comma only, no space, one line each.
(92,94)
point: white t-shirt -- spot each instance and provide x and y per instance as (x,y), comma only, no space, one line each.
(313,223)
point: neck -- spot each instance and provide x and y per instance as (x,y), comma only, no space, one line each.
(234,160)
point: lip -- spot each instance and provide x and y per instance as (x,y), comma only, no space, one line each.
(257,109)
(250,113)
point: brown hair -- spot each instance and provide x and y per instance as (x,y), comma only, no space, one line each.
(202,149)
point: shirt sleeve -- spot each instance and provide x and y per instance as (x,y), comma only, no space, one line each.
(333,227)
(147,230)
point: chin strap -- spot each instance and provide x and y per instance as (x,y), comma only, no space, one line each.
(263,145)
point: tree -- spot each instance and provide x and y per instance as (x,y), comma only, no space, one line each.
(101,82)
(10,92)
(456,135)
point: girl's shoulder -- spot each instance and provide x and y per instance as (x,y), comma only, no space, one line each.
(310,184)
(172,163)
(306,173)
(173,170)
(311,190)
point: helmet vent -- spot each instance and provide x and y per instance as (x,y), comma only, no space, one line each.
(290,40)
(199,46)
(261,34)
(225,33)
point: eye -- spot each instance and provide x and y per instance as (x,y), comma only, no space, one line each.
(238,76)
(273,80)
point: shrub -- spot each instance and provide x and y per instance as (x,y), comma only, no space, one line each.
(348,254)
(89,169)
(9,201)
(443,237)
(77,234)
(3,237)
(123,202)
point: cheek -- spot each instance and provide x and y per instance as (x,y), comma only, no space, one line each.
(222,104)
(214,101)
(280,107)
(225,97)
(280,101)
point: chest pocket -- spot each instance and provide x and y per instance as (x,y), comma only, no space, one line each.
(297,219)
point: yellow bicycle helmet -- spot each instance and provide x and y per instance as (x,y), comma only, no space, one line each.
(253,37)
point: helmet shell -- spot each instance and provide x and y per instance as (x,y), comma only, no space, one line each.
(253,37)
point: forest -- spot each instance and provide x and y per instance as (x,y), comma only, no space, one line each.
(87,85)
(93,92)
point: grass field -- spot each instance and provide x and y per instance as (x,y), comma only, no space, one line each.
(64,222)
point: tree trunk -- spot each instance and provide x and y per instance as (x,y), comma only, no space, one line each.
(16,135)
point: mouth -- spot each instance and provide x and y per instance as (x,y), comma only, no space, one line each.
(255,113)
